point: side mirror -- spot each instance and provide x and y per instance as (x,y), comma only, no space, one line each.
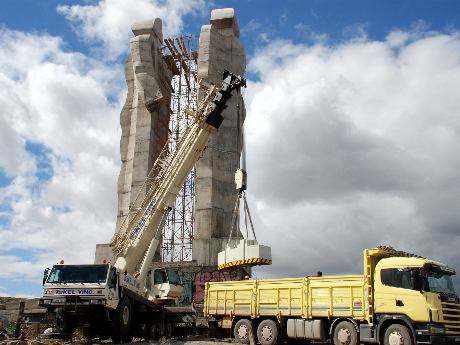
(113,277)
(45,275)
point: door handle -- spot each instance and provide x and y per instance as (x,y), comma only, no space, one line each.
(399,303)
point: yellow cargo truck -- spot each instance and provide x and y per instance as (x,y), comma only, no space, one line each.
(401,299)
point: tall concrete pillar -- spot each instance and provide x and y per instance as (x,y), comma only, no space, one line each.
(219,49)
(145,115)
(144,118)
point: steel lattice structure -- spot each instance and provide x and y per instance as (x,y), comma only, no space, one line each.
(181,55)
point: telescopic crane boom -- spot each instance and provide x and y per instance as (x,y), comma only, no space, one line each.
(137,241)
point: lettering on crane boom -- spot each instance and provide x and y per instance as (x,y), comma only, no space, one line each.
(131,281)
(143,219)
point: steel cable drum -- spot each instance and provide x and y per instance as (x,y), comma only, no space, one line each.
(244,253)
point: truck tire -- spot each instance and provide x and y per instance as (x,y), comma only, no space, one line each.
(397,335)
(268,332)
(122,319)
(242,331)
(345,334)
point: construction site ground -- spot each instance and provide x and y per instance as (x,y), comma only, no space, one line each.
(32,333)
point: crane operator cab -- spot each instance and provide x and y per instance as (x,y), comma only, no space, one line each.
(166,284)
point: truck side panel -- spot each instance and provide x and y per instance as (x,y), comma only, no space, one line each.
(299,297)
(230,298)
(336,297)
(283,297)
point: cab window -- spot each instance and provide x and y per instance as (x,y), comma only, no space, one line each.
(397,277)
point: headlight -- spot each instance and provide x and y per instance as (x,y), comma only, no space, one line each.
(95,301)
(436,329)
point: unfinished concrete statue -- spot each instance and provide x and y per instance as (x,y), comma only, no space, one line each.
(145,115)
(219,49)
(145,120)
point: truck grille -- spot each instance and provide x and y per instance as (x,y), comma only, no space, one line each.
(451,317)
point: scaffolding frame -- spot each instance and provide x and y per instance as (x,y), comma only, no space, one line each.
(181,56)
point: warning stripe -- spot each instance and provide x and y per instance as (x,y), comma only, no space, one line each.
(246,262)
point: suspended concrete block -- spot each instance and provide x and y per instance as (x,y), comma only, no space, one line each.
(244,253)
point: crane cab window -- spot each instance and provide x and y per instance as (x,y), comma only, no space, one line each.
(159,277)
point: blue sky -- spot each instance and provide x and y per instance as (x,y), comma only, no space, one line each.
(353,100)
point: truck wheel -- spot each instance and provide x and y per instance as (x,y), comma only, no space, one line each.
(268,332)
(121,322)
(345,334)
(397,335)
(242,330)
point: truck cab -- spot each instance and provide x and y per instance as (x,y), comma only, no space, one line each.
(82,294)
(420,292)
(80,285)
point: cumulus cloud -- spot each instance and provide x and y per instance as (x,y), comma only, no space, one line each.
(60,132)
(349,146)
(358,143)
(55,111)
(109,21)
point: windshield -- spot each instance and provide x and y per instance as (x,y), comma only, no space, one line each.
(170,276)
(438,281)
(78,274)
(173,277)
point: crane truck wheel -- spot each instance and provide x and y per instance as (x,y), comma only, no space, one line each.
(242,331)
(397,335)
(268,332)
(345,334)
(121,321)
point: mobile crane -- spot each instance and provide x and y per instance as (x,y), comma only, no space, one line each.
(109,299)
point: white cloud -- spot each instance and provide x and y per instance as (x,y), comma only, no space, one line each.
(67,105)
(59,100)
(359,145)
(109,21)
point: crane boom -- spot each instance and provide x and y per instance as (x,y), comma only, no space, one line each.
(137,241)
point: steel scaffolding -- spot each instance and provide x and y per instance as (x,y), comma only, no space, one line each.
(181,55)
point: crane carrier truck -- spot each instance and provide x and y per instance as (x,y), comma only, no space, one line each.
(400,299)
(122,297)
